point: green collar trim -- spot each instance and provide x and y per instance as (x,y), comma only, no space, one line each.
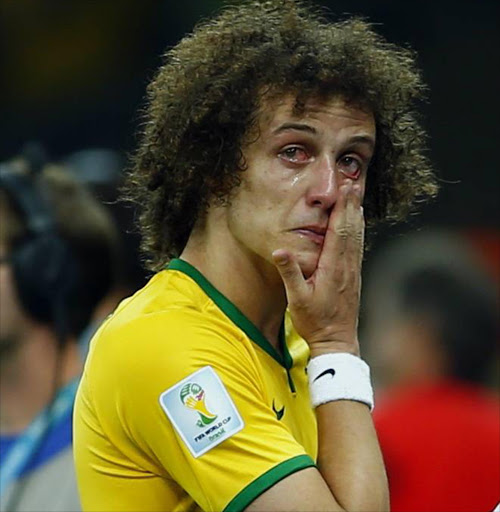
(234,314)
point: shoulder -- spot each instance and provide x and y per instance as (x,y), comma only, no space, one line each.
(171,313)
(163,333)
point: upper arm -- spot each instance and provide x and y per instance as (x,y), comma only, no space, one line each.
(298,492)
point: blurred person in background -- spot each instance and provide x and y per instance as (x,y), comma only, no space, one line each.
(265,131)
(100,170)
(432,326)
(57,249)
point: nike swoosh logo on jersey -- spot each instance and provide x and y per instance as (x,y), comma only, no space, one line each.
(330,371)
(279,413)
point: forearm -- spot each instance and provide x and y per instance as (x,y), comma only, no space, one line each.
(349,457)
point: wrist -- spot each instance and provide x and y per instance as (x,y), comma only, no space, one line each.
(339,376)
(334,347)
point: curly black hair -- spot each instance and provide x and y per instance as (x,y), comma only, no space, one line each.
(206,97)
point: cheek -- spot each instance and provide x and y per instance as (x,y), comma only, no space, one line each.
(362,182)
(265,197)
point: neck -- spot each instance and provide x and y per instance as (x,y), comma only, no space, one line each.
(29,376)
(252,284)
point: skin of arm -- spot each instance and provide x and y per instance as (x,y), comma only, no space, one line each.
(324,308)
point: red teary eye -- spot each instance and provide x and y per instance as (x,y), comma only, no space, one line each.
(350,167)
(294,154)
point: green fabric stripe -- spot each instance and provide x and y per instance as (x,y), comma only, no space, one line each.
(234,314)
(287,358)
(266,481)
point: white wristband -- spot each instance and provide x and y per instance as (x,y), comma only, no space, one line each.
(339,376)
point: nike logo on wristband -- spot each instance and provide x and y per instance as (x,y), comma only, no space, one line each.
(330,371)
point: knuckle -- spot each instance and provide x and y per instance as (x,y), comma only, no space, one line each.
(342,231)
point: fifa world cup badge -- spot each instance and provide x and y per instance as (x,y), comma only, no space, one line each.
(201,411)
(193,396)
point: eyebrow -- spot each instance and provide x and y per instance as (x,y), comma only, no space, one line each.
(294,126)
(361,139)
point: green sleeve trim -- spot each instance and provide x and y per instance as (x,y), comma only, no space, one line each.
(266,481)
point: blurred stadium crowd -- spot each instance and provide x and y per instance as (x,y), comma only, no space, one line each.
(75,75)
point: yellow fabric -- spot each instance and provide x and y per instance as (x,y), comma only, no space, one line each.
(128,454)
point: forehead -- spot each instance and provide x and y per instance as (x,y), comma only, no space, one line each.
(332,112)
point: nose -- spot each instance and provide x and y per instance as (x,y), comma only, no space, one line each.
(323,188)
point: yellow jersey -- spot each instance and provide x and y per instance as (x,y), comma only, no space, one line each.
(185,405)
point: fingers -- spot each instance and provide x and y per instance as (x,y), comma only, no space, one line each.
(355,228)
(345,234)
(290,273)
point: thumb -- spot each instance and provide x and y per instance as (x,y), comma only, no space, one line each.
(290,273)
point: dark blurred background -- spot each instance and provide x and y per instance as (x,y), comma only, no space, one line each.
(75,72)
(74,76)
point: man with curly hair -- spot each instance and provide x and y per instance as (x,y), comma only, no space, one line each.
(233,380)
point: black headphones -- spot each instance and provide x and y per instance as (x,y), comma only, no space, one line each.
(45,270)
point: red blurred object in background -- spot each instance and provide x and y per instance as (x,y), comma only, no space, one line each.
(446,459)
